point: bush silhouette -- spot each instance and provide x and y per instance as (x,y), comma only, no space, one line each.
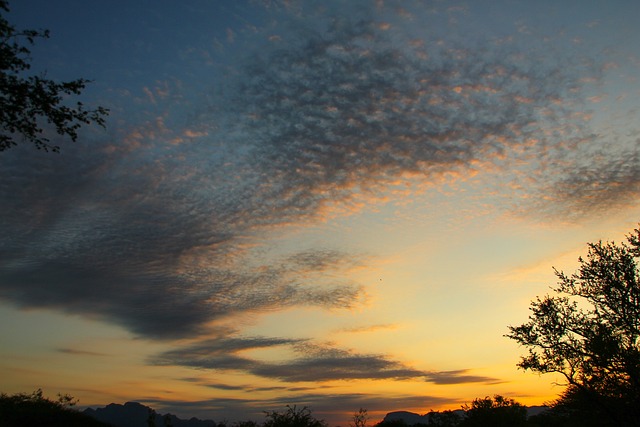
(292,417)
(498,411)
(22,409)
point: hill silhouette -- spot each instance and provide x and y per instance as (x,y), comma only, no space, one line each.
(134,414)
(411,418)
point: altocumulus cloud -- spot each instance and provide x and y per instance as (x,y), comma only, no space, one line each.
(155,228)
(612,180)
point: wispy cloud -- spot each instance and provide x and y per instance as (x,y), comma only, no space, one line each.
(313,362)
(226,387)
(251,388)
(459,377)
(369,328)
(319,364)
(74,351)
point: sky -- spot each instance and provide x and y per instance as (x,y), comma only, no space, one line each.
(332,204)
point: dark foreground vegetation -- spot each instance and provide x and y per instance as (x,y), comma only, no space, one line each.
(25,410)
(33,409)
(588,331)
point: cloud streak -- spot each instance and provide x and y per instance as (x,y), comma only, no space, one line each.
(77,352)
(313,362)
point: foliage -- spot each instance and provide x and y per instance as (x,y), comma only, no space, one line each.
(392,423)
(496,412)
(27,102)
(292,417)
(443,419)
(151,418)
(589,331)
(359,418)
(247,423)
(24,409)
(574,408)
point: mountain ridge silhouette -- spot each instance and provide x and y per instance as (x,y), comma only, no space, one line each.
(135,414)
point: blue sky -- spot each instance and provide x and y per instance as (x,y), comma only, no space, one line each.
(334,204)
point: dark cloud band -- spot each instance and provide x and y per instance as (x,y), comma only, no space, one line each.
(314,363)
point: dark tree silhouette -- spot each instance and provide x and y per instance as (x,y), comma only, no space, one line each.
(292,417)
(445,418)
(589,331)
(151,418)
(498,411)
(23,409)
(392,423)
(360,418)
(30,104)
(575,408)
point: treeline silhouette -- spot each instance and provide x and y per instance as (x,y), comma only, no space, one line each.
(33,409)
(571,409)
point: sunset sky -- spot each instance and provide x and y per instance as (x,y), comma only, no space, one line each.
(334,204)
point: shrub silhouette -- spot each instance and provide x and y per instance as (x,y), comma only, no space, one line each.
(22,409)
(292,417)
(498,411)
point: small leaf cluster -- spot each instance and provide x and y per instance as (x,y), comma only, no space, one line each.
(32,104)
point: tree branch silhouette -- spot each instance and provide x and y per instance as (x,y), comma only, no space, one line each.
(29,105)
